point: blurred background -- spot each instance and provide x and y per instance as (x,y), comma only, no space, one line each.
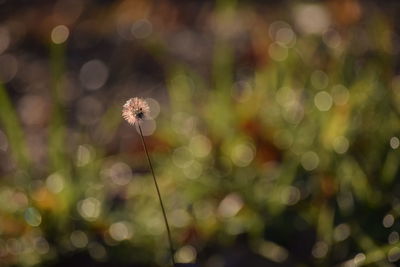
(274,132)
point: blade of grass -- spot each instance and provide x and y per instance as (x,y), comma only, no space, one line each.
(10,122)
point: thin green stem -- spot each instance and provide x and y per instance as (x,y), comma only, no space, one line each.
(159,196)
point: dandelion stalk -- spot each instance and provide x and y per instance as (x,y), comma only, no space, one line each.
(134,111)
(159,196)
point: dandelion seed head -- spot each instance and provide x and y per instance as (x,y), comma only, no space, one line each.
(135,110)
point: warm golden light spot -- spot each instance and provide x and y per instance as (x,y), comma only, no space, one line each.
(59,34)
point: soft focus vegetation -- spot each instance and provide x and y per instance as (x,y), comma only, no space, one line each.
(274,133)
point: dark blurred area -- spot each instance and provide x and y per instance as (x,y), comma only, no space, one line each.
(274,131)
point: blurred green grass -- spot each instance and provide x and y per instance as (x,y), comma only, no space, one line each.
(298,153)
